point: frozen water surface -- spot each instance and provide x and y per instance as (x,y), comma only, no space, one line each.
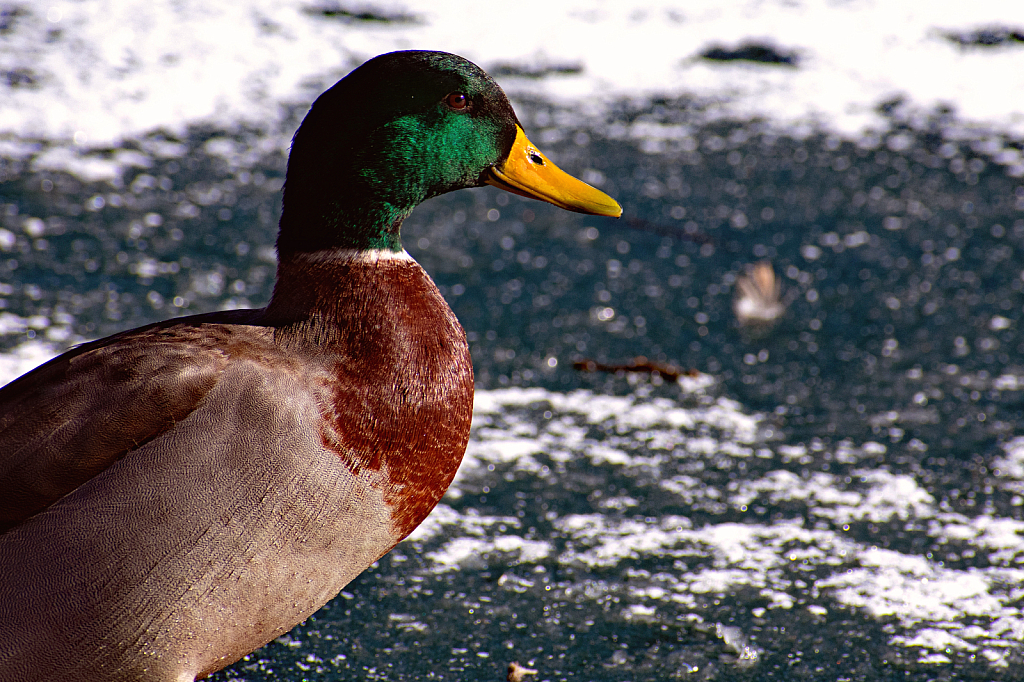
(836,494)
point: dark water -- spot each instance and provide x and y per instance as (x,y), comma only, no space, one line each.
(897,361)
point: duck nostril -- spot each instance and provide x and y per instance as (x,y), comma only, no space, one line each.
(537,158)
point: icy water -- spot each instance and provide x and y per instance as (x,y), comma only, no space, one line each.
(840,494)
(837,496)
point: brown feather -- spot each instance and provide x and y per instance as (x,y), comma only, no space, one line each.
(68,420)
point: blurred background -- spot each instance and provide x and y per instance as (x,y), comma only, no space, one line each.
(766,426)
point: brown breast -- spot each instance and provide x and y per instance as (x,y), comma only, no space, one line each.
(402,378)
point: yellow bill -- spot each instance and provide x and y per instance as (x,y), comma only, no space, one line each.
(529,173)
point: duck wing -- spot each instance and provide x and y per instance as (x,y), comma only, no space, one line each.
(183,549)
(71,418)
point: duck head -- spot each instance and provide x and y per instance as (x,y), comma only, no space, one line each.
(400,129)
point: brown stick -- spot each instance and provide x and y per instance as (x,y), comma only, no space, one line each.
(639,364)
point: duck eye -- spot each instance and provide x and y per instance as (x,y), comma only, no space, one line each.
(457,101)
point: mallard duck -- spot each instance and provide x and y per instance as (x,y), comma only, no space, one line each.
(175,496)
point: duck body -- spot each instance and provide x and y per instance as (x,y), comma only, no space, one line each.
(286,477)
(175,496)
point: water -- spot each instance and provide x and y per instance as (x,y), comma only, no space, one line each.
(837,496)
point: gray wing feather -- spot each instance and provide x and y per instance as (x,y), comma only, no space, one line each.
(70,419)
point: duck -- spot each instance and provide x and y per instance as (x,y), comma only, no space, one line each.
(175,496)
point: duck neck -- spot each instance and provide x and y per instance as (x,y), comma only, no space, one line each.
(356,221)
(324,287)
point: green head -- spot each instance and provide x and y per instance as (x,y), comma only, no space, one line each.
(401,128)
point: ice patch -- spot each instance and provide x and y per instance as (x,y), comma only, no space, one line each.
(979,605)
(472,523)
(23,358)
(815,547)
(1011,465)
(626,412)
(467,552)
(87,75)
